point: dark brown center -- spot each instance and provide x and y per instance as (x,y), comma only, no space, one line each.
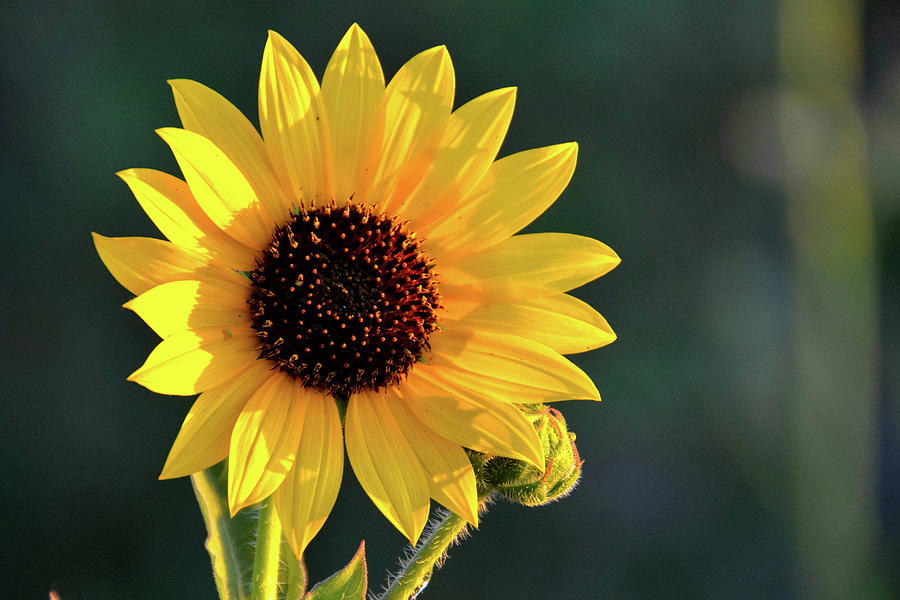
(344,299)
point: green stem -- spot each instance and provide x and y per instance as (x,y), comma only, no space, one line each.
(442,531)
(266,557)
(250,557)
(293,572)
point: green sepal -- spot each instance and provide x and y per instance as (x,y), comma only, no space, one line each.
(349,583)
(341,403)
(479,460)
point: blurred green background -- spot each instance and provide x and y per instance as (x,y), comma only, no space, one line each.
(742,157)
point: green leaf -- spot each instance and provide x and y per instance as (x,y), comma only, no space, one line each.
(231,541)
(347,584)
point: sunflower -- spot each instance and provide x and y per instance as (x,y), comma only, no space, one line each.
(351,275)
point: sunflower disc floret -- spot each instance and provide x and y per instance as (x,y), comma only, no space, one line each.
(344,299)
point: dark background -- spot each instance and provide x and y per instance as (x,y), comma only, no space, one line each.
(718,466)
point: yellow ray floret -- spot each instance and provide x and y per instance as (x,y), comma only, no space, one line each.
(358,252)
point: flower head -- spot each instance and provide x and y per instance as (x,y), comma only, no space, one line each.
(360,251)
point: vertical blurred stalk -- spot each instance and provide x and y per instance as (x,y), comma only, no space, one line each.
(833,417)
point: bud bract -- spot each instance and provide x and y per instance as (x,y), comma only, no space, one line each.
(521,482)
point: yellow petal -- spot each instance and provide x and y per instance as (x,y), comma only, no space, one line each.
(264,443)
(294,123)
(386,465)
(451,478)
(561,322)
(206,112)
(471,421)
(182,305)
(195,361)
(525,370)
(515,190)
(469,146)
(528,266)
(206,432)
(140,263)
(168,202)
(220,188)
(416,109)
(309,491)
(352,93)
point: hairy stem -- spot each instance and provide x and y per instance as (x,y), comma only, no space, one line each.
(266,558)
(443,530)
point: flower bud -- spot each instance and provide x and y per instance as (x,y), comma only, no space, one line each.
(521,482)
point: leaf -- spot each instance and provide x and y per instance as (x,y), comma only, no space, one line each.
(231,541)
(347,584)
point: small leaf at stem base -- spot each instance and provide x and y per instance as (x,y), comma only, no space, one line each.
(347,584)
